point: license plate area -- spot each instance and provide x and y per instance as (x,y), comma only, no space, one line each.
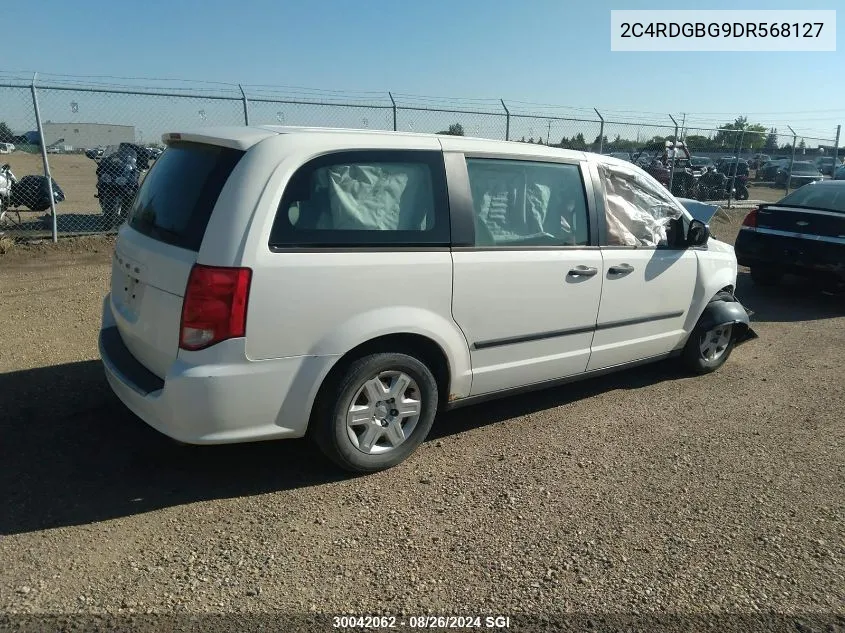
(127,288)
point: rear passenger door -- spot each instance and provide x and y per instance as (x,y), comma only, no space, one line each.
(527,278)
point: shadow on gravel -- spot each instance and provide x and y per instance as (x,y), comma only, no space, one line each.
(73,454)
(794,299)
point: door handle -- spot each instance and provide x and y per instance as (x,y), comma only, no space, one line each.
(620,269)
(583,271)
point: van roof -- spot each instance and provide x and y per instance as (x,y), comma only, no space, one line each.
(244,137)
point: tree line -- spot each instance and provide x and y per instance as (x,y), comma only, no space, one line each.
(726,138)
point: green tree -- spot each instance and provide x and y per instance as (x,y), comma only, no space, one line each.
(698,143)
(531,139)
(564,143)
(456,129)
(578,142)
(522,140)
(771,144)
(6,134)
(730,135)
(802,144)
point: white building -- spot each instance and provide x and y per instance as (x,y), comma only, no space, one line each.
(87,135)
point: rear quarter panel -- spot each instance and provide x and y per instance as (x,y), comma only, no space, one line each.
(324,302)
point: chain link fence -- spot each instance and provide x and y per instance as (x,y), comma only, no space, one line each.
(81,126)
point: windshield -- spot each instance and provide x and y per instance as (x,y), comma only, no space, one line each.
(700,161)
(824,197)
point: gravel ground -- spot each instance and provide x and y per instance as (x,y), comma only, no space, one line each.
(644,494)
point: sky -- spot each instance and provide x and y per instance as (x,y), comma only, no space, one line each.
(530,51)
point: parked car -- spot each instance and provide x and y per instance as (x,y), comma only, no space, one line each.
(758,160)
(801,234)
(768,171)
(825,165)
(699,164)
(737,173)
(803,172)
(277,282)
(6,148)
(839,172)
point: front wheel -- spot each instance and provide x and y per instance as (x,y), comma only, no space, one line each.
(708,348)
(377,413)
(742,193)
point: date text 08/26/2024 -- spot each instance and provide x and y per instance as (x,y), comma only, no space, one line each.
(348,622)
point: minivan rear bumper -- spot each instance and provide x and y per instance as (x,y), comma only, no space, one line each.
(211,403)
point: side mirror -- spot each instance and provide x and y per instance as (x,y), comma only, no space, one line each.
(698,233)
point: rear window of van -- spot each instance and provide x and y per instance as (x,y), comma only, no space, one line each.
(175,201)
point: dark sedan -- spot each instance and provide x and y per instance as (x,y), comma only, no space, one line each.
(825,165)
(802,173)
(768,171)
(803,234)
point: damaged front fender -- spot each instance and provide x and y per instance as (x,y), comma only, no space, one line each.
(722,312)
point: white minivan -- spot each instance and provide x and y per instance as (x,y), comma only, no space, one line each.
(277,282)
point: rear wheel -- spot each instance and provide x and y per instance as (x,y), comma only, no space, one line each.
(377,413)
(765,275)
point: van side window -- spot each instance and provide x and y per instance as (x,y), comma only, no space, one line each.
(365,198)
(524,203)
(639,211)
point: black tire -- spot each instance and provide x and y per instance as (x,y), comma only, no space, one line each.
(328,428)
(766,275)
(112,209)
(692,358)
(742,193)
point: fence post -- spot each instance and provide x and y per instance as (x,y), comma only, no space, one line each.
(791,160)
(393,101)
(836,148)
(246,105)
(732,181)
(601,132)
(674,153)
(508,121)
(44,157)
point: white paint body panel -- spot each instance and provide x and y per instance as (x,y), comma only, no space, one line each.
(660,285)
(308,308)
(509,294)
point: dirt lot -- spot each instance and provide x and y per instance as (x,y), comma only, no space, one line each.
(647,493)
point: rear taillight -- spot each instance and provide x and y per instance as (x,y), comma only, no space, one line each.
(214,307)
(751,219)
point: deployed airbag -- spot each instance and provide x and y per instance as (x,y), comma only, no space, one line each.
(386,197)
(638,213)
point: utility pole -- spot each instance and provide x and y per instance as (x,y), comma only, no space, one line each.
(683,126)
